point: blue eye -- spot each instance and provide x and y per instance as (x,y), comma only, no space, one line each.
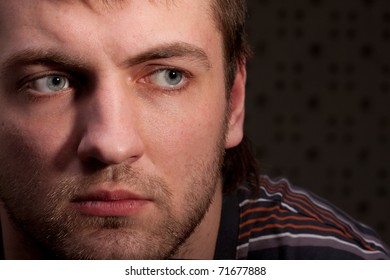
(167,78)
(50,84)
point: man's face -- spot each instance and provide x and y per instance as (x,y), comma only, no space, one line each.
(112,123)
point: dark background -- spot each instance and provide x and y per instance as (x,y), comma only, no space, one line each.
(318,100)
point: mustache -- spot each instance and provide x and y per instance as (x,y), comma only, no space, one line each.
(129,178)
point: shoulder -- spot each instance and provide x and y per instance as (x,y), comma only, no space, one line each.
(281,221)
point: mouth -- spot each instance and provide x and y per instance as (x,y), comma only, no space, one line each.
(103,203)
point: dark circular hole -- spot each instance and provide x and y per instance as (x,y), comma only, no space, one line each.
(300,15)
(363,207)
(316,50)
(312,154)
(261,100)
(367,51)
(365,104)
(335,15)
(363,154)
(313,103)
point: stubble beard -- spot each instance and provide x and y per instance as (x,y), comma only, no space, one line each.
(66,234)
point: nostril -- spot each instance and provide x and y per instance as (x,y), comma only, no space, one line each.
(91,165)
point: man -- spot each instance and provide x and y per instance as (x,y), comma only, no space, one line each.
(122,138)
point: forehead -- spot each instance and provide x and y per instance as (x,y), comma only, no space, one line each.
(23,7)
(30,12)
(101,6)
(107,24)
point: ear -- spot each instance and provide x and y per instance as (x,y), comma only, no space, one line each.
(235,130)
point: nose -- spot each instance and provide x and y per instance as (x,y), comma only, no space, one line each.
(109,120)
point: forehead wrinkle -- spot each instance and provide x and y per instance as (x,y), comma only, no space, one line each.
(99,6)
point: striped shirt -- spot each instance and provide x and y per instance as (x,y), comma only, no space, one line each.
(280,221)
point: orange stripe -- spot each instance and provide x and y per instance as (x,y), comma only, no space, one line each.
(262,209)
(259,209)
(287,192)
(284,189)
(290,226)
(286,218)
(277,218)
(271,226)
(306,201)
(296,197)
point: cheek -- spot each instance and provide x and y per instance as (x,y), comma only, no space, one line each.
(19,150)
(25,177)
(29,165)
(30,144)
(177,142)
(18,165)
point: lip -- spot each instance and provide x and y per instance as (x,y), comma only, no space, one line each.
(105,203)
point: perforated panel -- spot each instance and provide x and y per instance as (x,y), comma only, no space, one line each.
(318,103)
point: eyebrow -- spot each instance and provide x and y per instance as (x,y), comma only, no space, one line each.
(40,56)
(175,50)
(54,57)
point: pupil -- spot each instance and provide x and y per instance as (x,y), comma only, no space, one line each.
(56,81)
(173,75)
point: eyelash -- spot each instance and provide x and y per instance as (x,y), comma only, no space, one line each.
(187,76)
(25,84)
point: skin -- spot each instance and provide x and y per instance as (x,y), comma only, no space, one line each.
(113,122)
